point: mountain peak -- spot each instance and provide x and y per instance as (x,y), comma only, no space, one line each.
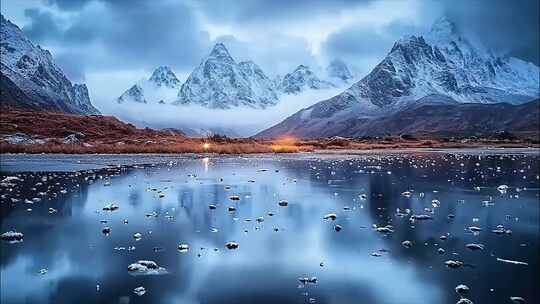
(164,76)
(220,51)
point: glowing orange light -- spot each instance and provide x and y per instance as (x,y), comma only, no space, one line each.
(206,145)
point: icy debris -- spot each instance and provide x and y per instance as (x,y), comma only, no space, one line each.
(234,198)
(137,236)
(231,209)
(212,207)
(308,280)
(517,300)
(10,179)
(512,262)
(330,216)
(502,189)
(407,244)
(453,264)
(106,230)
(420,217)
(139,291)
(43,271)
(183,247)
(110,207)
(462,289)
(474,229)
(474,246)
(12,237)
(283,203)
(464,301)
(146,267)
(338,227)
(407,194)
(441,251)
(231,245)
(386,229)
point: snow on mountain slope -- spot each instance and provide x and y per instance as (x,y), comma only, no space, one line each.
(221,83)
(442,64)
(302,78)
(161,87)
(34,79)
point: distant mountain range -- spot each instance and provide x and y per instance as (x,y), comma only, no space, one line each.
(439,83)
(443,67)
(219,82)
(30,78)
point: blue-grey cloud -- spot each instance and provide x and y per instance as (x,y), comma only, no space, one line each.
(506,26)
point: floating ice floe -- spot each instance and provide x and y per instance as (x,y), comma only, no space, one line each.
(464,301)
(283,203)
(474,246)
(139,291)
(231,245)
(407,244)
(183,247)
(106,230)
(502,189)
(12,237)
(234,198)
(338,227)
(146,267)
(462,289)
(386,229)
(110,207)
(137,236)
(330,216)
(517,300)
(453,264)
(308,280)
(512,262)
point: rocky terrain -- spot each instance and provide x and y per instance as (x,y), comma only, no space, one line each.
(442,64)
(30,78)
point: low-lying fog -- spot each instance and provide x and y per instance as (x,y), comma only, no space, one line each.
(239,122)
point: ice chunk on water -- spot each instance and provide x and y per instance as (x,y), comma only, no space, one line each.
(146,267)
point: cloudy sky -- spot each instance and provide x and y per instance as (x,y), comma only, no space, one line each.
(110,44)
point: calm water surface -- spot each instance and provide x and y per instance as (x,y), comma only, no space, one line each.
(66,258)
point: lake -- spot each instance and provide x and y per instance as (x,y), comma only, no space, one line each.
(308,228)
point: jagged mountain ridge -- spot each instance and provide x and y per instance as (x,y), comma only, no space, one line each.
(302,78)
(219,82)
(442,64)
(160,88)
(31,79)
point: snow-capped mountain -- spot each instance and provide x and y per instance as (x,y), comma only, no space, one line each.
(443,63)
(30,78)
(135,94)
(163,76)
(302,78)
(161,87)
(337,69)
(220,83)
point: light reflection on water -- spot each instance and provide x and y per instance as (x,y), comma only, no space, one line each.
(266,266)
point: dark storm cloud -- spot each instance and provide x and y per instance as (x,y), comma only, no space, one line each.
(262,11)
(123,35)
(43,25)
(353,42)
(512,26)
(507,26)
